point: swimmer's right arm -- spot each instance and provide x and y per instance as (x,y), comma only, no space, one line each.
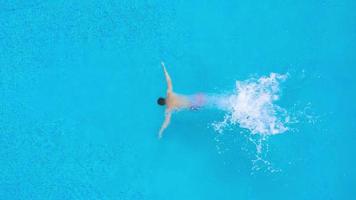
(168,79)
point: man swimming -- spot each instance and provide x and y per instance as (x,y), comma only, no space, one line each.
(174,101)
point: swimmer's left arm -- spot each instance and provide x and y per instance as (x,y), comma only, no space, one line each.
(165,123)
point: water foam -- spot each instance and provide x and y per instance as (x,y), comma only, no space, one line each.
(253,106)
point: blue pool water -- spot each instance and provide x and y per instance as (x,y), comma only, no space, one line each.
(79,82)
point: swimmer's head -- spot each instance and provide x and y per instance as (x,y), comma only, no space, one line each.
(161,101)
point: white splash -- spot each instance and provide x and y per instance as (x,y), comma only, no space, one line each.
(253,106)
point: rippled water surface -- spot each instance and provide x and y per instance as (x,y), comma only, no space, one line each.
(79,82)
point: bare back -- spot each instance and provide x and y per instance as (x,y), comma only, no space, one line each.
(176,101)
(173,102)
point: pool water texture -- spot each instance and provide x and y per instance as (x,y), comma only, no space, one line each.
(79,81)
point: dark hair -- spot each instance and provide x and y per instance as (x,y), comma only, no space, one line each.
(161,101)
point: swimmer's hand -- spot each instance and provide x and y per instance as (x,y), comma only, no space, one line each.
(165,123)
(168,78)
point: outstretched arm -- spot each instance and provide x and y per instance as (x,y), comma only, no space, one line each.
(168,79)
(165,123)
